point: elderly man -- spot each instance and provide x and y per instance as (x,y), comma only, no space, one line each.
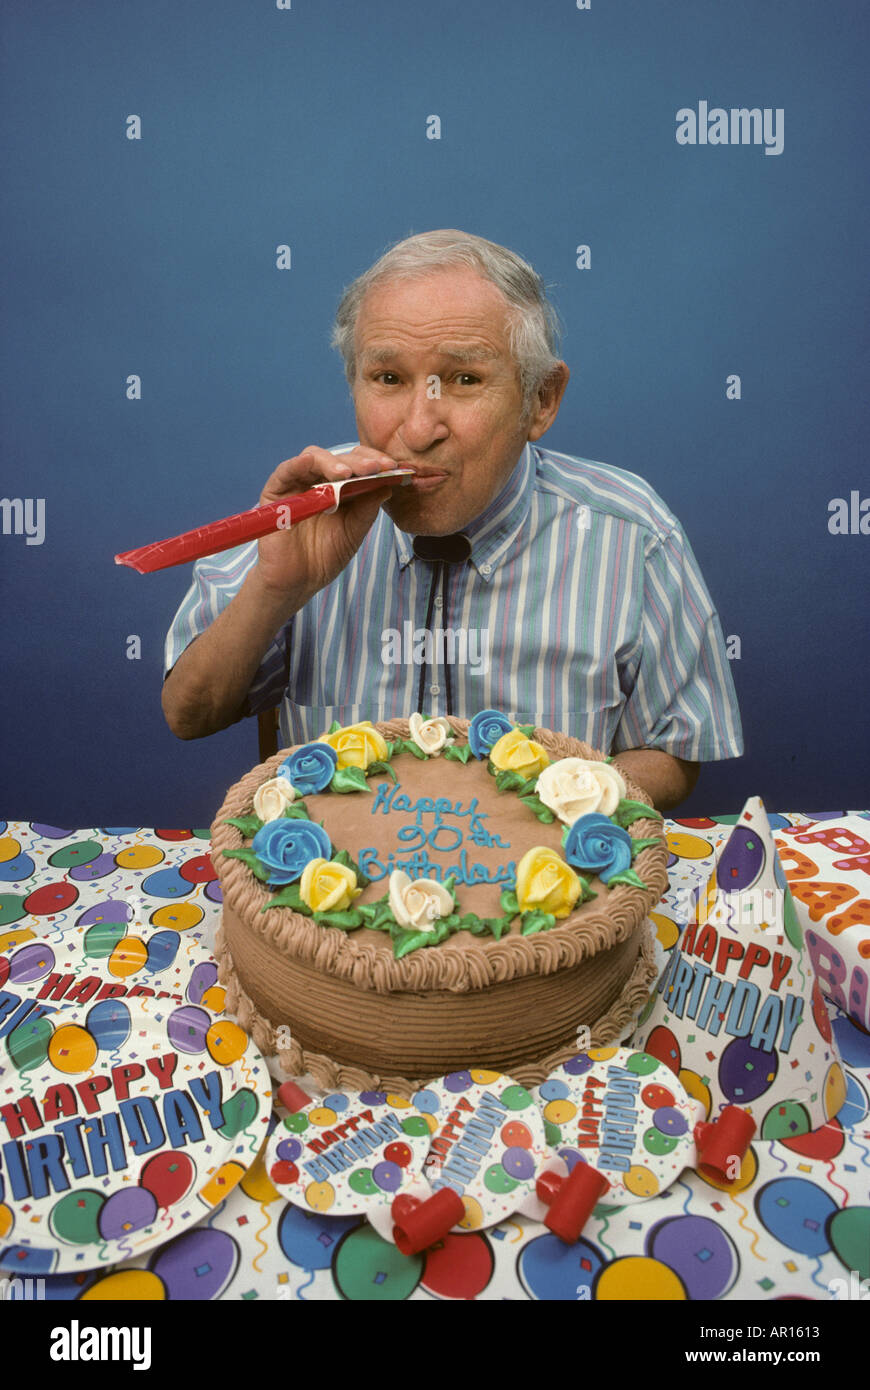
(560,591)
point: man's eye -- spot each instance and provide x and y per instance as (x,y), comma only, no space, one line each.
(387,378)
(467,379)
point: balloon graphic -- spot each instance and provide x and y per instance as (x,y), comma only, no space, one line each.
(27,1045)
(72,856)
(168,1176)
(109,1023)
(741,860)
(130,1209)
(199,870)
(129,955)
(51,898)
(746,1072)
(226,1042)
(202,978)
(699,1251)
(162,950)
(187,1028)
(167,883)
(74,1216)
(72,1049)
(96,868)
(112,910)
(199,1264)
(795,1212)
(31,963)
(309,1240)
(139,857)
(550,1270)
(178,916)
(101,939)
(239,1111)
(459,1267)
(368,1269)
(16,870)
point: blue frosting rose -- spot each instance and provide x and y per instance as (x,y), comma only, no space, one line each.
(284,847)
(595,843)
(485,729)
(310,768)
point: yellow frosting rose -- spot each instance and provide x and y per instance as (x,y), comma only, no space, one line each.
(514,752)
(357,745)
(327,887)
(546,883)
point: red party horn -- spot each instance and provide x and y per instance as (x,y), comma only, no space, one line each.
(421,1224)
(719,1143)
(292,1097)
(254,523)
(571,1200)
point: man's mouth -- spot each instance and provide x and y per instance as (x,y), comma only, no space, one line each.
(426,479)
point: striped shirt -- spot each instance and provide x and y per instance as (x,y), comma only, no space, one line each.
(581,609)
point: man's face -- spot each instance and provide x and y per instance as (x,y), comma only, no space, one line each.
(437,389)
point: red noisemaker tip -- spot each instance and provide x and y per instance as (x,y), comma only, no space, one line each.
(421,1224)
(719,1143)
(571,1200)
(292,1097)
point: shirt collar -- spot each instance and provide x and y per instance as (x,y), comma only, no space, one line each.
(492,533)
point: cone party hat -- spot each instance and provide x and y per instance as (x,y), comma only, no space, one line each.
(738,1014)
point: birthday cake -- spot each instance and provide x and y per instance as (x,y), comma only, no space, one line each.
(408,899)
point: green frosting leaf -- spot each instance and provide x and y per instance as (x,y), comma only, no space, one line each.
(349,779)
(248,857)
(457,752)
(638,845)
(297,810)
(290,896)
(508,781)
(527,729)
(628,811)
(531,922)
(537,807)
(484,926)
(381,766)
(334,727)
(409,746)
(249,825)
(378,915)
(628,876)
(405,940)
(347,920)
(509,903)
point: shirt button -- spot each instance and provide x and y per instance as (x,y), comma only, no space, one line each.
(486,569)
(439,602)
(434,689)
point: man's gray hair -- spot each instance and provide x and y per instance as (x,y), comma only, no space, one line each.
(534,324)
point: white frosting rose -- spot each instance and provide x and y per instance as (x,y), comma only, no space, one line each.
(272,798)
(575,787)
(418,902)
(429,734)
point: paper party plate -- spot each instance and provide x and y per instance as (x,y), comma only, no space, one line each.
(347,1151)
(627,1114)
(119,1127)
(487,1142)
(106,955)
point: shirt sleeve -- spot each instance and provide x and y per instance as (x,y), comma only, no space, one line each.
(216,581)
(681,696)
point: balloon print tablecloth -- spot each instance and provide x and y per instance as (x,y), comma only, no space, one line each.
(104,940)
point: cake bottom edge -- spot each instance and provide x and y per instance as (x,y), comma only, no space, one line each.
(330,1073)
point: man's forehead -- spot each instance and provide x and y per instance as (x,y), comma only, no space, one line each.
(457,352)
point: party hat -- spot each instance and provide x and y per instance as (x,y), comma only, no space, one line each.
(738,1013)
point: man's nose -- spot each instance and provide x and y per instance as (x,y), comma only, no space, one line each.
(425,418)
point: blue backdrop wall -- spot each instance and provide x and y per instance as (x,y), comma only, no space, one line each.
(716,328)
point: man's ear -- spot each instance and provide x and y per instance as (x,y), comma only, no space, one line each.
(545,406)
